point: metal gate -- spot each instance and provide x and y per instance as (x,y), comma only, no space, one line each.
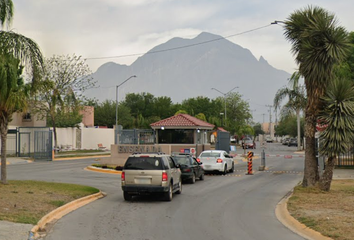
(223,141)
(43,145)
(136,136)
(35,142)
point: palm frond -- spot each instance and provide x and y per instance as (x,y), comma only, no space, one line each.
(6,12)
(22,48)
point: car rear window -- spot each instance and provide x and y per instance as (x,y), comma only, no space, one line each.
(182,160)
(210,154)
(144,163)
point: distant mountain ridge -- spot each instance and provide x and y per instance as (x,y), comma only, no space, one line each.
(192,71)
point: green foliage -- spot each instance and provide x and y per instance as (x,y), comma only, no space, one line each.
(338,115)
(257,130)
(201,116)
(6,12)
(288,126)
(181,112)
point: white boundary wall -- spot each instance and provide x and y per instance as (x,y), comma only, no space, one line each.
(90,138)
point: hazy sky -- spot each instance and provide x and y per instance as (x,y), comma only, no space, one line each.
(108,28)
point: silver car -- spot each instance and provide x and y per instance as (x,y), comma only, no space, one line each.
(217,160)
(149,173)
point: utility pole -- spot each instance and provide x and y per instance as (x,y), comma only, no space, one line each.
(270,119)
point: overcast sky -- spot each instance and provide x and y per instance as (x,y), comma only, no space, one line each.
(108,28)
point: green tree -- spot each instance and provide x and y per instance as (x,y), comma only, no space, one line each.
(13,46)
(201,116)
(65,78)
(257,129)
(296,100)
(318,45)
(338,136)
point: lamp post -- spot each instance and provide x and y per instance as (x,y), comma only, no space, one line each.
(224,99)
(116,131)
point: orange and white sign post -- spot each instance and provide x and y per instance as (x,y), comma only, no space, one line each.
(249,165)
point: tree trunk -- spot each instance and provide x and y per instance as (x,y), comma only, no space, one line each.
(298,129)
(55,135)
(326,178)
(311,175)
(3,132)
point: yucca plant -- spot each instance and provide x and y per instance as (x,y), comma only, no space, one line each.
(338,116)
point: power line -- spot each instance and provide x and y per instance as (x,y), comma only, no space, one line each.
(181,47)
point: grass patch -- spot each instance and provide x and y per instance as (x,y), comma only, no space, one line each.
(79,151)
(330,213)
(29,201)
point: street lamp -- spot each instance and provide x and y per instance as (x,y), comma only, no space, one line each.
(115,138)
(224,99)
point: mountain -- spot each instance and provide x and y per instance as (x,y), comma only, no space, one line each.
(191,69)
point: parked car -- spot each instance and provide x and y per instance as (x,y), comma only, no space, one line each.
(217,160)
(249,144)
(285,141)
(269,139)
(150,173)
(232,139)
(292,142)
(245,139)
(190,168)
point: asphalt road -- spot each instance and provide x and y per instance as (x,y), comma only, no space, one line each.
(235,206)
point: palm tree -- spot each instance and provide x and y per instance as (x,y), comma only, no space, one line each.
(297,100)
(338,136)
(318,44)
(15,49)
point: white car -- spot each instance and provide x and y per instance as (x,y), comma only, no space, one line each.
(217,160)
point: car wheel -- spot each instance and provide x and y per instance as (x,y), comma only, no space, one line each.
(168,195)
(201,177)
(193,179)
(225,170)
(232,168)
(179,187)
(127,196)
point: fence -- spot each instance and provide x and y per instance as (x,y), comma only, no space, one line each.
(346,160)
(136,136)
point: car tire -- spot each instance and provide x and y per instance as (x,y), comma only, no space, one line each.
(127,196)
(193,178)
(201,177)
(179,191)
(232,168)
(168,195)
(225,170)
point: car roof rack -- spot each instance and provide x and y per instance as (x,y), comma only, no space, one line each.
(157,153)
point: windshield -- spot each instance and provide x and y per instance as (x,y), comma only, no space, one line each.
(144,163)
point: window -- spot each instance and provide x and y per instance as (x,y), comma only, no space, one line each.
(26,117)
(176,136)
(172,163)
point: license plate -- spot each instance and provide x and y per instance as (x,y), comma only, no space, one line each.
(142,180)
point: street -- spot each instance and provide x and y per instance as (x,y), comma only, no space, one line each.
(235,206)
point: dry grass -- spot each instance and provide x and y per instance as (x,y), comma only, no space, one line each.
(29,201)
(330,213)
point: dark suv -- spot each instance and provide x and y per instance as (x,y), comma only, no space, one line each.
(148,173)
(190,168)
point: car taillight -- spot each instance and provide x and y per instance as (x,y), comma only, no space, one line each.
(219,160)
(164,177)
(123,176)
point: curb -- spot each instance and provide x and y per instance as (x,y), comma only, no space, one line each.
(283,215)
(60,212)
(83,157)
(111,171)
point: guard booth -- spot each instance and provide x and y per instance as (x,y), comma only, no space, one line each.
(35,142)
(223,140)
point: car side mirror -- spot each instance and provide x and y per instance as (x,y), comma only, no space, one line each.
(178,165)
